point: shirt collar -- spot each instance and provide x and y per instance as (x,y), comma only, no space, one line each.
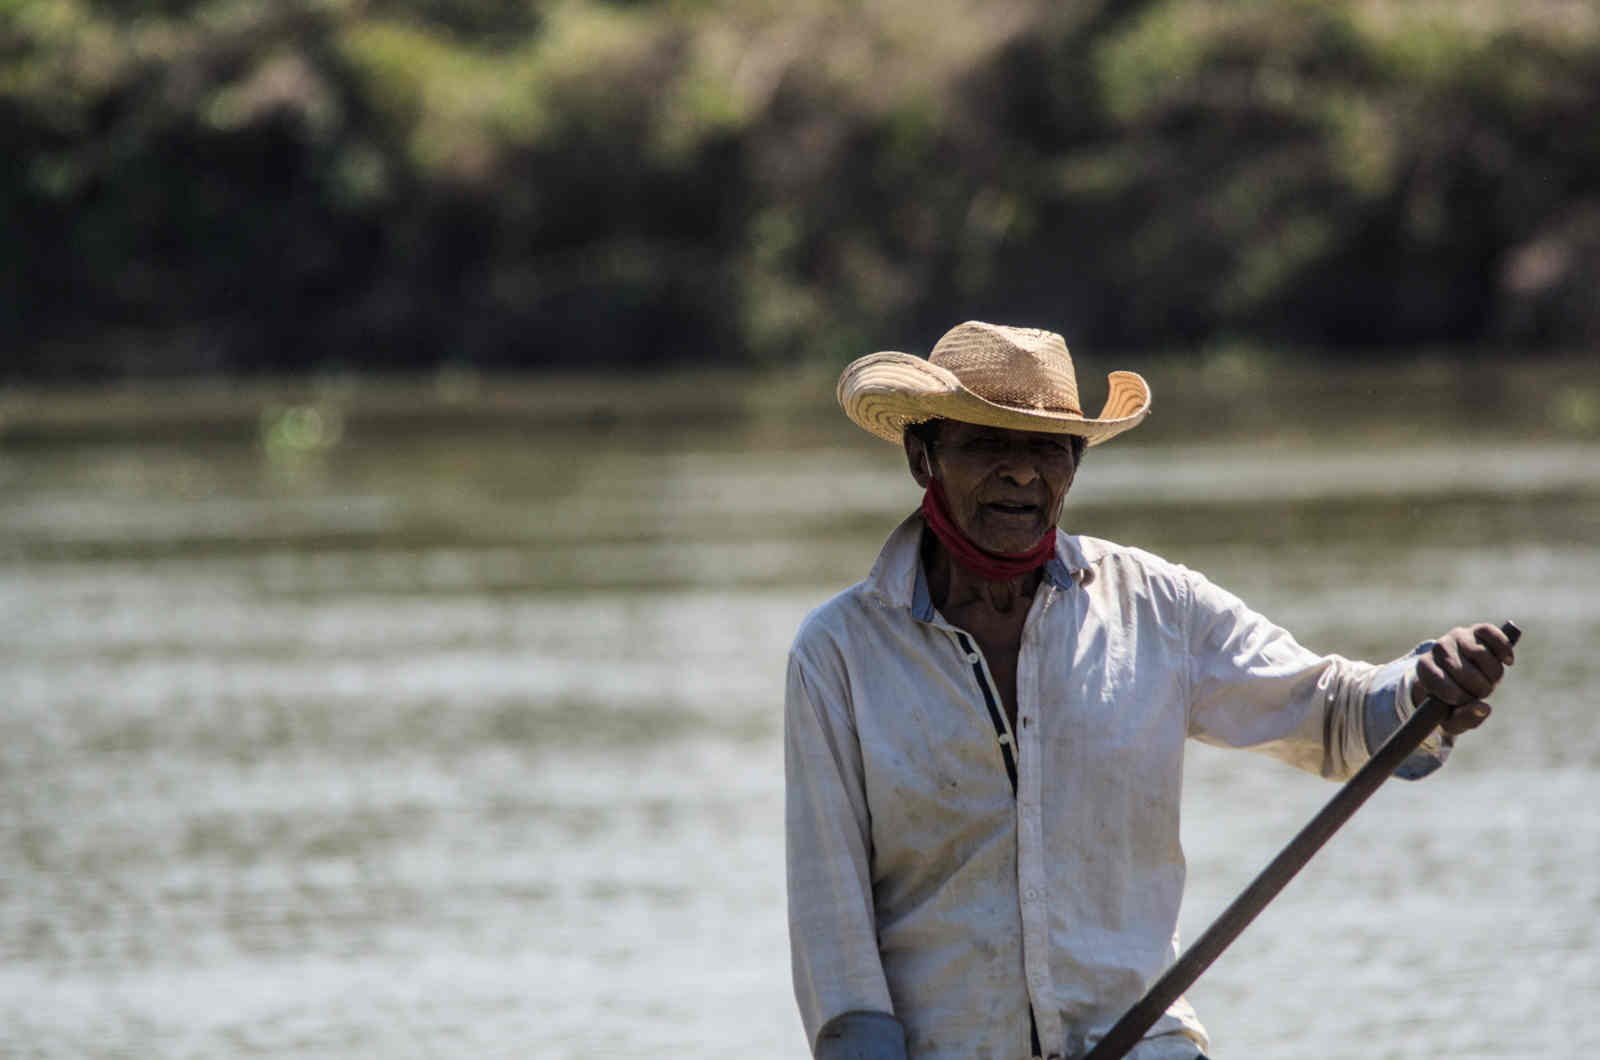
(898,578)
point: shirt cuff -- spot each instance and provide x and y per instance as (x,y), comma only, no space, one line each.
(861,1035)
(1388,706)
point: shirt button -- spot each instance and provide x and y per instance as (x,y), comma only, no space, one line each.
(972,656)
(1032,894)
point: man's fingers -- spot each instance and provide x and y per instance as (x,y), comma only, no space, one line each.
(1494,639)
(1464,666)
(1432,681)
(1481,657)
(1466,717)
(1447,674)
(1462,669)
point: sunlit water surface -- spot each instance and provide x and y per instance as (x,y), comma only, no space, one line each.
(459,745)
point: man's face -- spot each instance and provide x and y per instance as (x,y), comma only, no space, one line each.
(1005,488)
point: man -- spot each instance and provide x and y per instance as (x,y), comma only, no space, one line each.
(984,739)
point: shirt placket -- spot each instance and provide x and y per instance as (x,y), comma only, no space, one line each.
(1019,745)
(1032,879)
(1009,748)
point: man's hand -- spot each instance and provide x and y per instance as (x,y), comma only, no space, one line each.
(1462,670)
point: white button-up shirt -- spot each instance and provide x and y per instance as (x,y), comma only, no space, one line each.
(976,882)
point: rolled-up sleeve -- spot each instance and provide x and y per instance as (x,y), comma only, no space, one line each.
(1251,684)
(832,932)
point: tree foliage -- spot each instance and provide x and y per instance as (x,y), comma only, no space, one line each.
(255,185)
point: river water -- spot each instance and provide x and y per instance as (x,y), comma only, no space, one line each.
(325,742)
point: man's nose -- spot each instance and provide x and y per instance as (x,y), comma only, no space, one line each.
(1018,469)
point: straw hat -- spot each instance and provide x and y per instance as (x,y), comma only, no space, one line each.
(998,376)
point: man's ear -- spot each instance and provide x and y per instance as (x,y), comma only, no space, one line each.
(919,460)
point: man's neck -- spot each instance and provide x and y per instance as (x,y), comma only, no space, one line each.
(953,588)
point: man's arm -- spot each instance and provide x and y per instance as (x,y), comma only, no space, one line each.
(833,939)
(1252,685)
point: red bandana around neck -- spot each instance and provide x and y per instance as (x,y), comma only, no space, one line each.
(990,566)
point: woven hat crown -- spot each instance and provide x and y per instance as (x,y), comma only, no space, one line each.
(1026,368)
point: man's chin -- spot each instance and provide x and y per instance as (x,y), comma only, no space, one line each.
(1010,543)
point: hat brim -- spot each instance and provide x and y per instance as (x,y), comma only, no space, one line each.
(883,392)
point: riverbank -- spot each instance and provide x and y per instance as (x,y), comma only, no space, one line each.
(1230,394)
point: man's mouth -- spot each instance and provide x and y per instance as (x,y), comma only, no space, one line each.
(1012,508)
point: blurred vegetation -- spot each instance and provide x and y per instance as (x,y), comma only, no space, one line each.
(217,186)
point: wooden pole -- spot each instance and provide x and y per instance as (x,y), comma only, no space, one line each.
(1128,1030)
